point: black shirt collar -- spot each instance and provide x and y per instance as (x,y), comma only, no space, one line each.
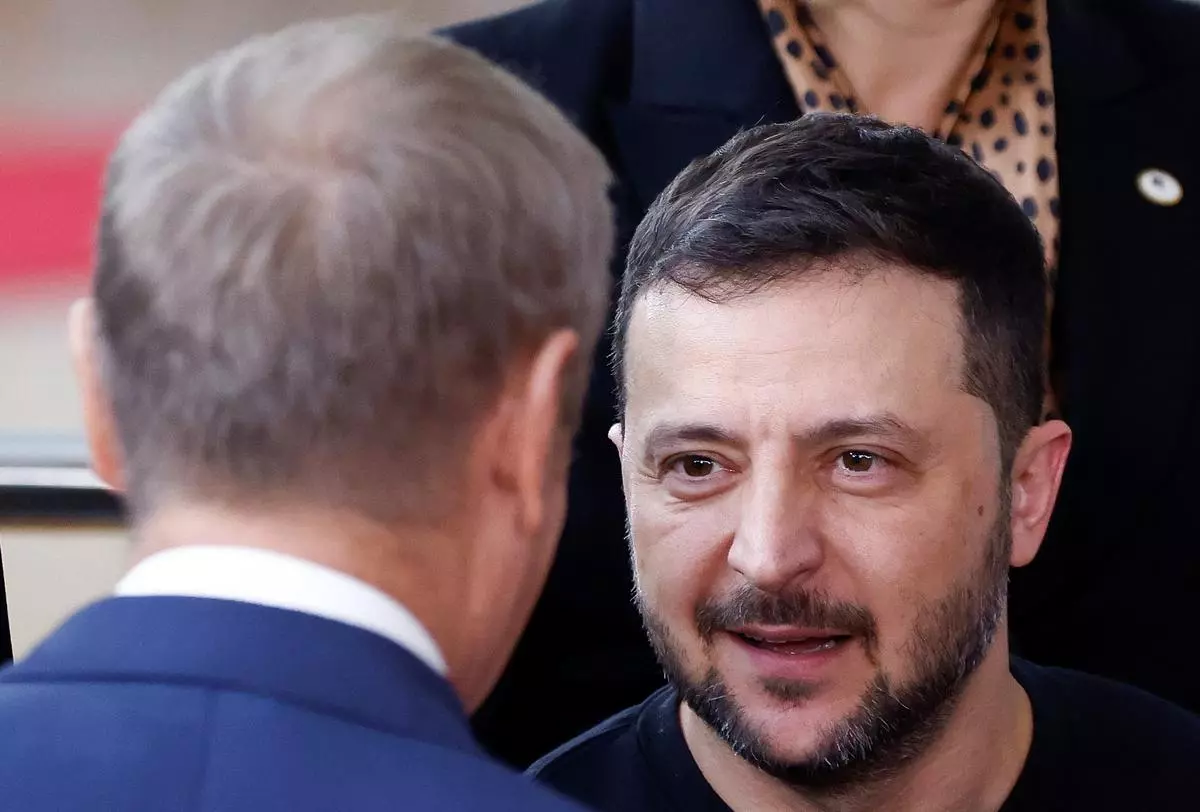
(660,737)
(685,789)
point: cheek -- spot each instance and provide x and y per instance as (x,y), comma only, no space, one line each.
(679,553)
(898,558)
(927,535)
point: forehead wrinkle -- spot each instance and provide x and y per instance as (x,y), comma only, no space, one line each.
(687,359)
(847,286)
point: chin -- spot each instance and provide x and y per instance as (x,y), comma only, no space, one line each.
(793,720)
(771,709)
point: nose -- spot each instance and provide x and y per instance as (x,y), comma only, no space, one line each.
(777,541)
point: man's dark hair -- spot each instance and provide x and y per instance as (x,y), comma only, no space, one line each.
(782,199)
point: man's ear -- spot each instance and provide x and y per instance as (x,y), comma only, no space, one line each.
(617,435)
(99,425)
(537,428)
(1036,475)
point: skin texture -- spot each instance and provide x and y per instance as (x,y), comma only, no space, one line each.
(806,456)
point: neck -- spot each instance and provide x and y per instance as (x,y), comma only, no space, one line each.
(904,58)
(973,764)
(414,565)
(910,17)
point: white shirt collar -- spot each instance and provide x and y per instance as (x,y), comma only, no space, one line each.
(282,581)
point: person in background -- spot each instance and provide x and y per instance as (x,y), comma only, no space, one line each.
(348,283)
(1079,108)
(829,343)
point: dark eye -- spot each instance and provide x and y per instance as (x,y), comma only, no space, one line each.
(858,462)
(695,467)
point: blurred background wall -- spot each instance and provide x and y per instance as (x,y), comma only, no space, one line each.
(72,74)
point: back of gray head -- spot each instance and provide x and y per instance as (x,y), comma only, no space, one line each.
(321,252)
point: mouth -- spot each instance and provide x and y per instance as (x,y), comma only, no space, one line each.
(792,642)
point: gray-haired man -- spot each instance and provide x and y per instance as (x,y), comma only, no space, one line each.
(348,286)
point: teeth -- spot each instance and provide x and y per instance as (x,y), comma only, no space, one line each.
(828,643)
(812,643)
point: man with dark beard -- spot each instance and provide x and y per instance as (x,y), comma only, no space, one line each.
(829,347)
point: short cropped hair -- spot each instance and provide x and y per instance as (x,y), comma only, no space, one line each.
(319,255)
(831,190)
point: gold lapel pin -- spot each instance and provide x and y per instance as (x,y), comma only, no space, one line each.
(1159,187)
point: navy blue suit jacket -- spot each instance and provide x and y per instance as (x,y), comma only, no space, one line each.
(193,704)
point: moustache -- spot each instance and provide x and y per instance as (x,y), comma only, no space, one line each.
(748,605)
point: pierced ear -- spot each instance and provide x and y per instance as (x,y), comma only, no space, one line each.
(98,422)
(538,426)
(1036,477)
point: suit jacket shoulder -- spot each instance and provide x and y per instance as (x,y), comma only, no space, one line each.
(573,51)
(180,703)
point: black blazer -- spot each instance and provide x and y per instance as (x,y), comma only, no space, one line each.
(656,83)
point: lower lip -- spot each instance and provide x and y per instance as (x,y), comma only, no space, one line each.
(770,663)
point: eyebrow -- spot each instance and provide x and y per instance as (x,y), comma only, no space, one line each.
(884,424)
(832,431)
(670,433)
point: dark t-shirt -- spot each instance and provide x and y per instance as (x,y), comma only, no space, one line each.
(1097,745)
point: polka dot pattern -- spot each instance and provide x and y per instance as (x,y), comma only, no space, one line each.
(1002,114)
(776,22)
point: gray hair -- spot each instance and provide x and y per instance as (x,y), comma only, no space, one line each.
(319,255)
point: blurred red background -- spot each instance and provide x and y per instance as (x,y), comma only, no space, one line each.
(49,193)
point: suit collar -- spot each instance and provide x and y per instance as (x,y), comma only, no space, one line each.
(699,73)
(321,664)
(715,55)
(270,578)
